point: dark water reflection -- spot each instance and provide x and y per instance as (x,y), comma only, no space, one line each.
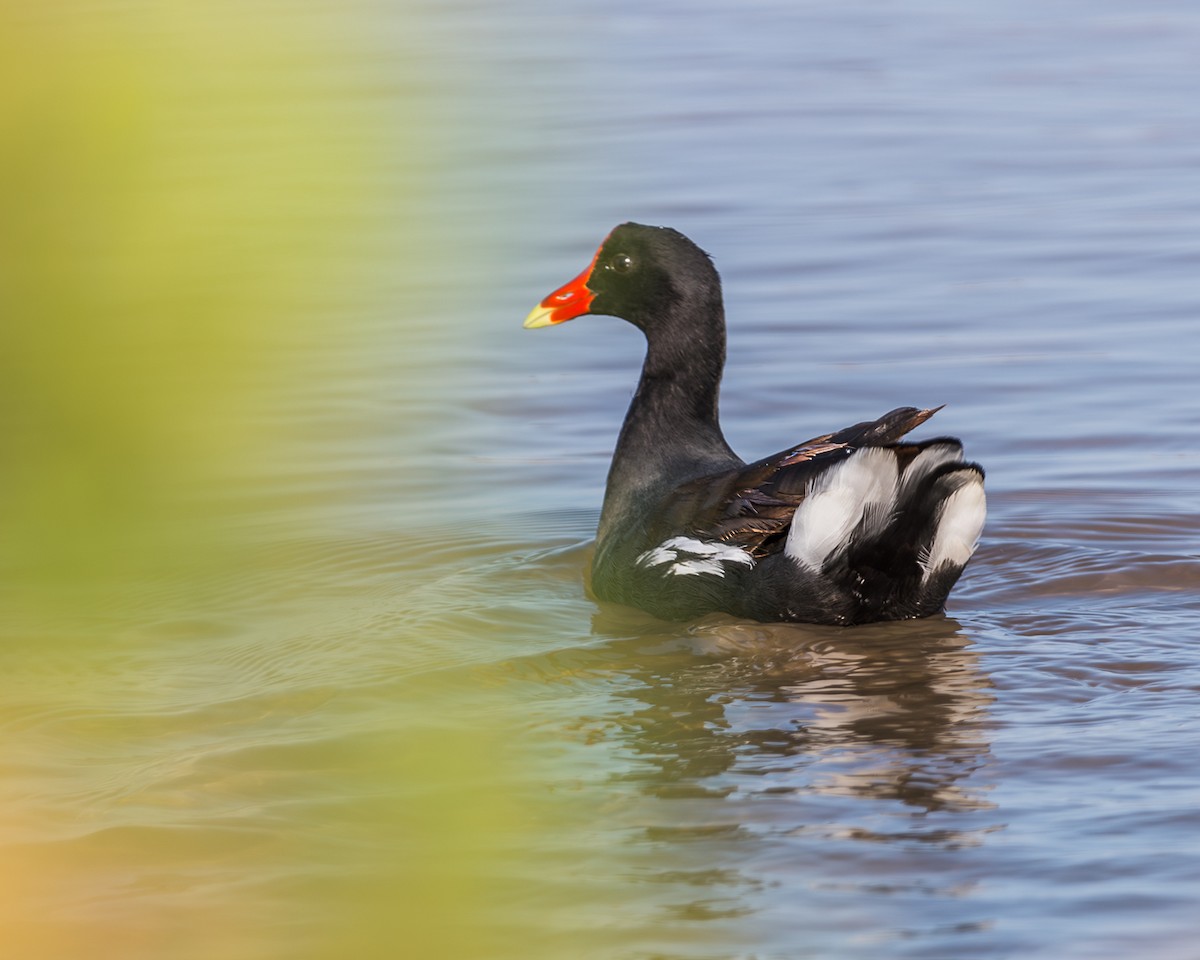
(784,709)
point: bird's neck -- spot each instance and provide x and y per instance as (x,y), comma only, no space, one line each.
(671,432)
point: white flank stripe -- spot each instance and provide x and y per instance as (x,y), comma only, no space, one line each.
(694,556)
(691,545)
(959,527)
(863,485)
(652,558)
(698,566)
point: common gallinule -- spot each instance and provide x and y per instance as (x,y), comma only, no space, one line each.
(850,527)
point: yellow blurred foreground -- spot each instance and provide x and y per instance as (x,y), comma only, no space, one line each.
(176,181)
(159,230)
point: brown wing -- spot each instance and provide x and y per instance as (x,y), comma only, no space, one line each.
(751,507)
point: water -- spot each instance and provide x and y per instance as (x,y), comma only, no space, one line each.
(366,708)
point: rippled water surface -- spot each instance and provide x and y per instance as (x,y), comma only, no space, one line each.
(382,718)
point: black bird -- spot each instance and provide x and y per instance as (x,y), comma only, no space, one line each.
(849,527)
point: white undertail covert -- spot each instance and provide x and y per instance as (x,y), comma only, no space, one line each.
(861,489)
(959,524)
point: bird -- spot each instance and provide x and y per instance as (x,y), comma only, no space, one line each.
(853,526)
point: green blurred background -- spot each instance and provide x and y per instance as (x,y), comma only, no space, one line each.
(175,199)
(205,211)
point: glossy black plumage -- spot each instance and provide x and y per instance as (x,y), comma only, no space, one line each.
(688,528)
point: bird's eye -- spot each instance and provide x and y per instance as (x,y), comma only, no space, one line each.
(621,263)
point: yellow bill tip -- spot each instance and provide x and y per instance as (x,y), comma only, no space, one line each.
(539,316)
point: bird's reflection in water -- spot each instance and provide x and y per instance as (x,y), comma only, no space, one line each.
(892,711)
(757,742)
